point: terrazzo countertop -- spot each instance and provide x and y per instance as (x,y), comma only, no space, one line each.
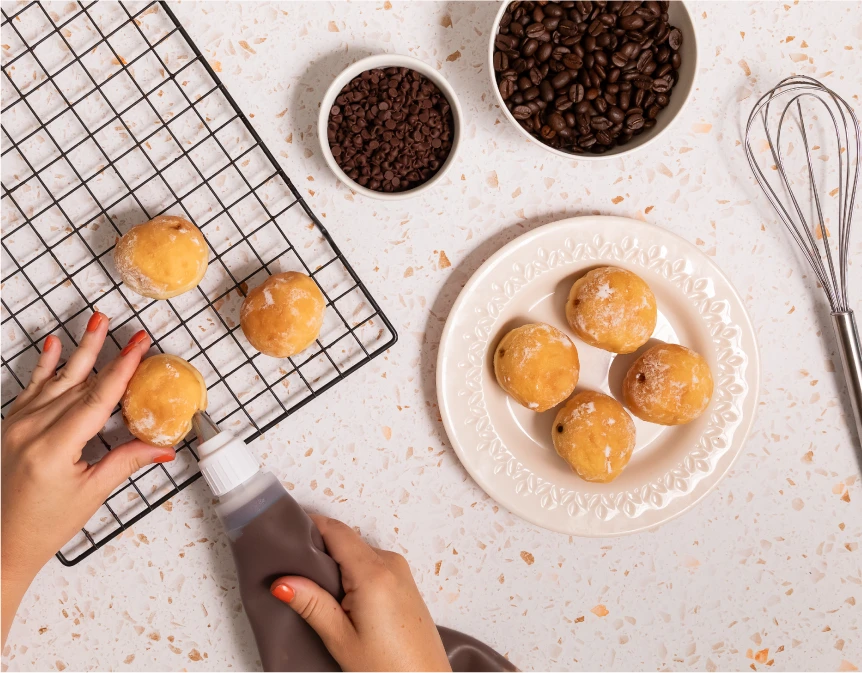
(764,573)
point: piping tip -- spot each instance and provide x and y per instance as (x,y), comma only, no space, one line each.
(204,427)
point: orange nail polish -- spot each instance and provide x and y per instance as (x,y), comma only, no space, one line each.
(94,322)
(165,457)
(283,592)
(134,341)
(50,342)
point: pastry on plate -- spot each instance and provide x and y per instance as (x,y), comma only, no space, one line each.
(537,365)
(612,309)
(594,435)
(669,385)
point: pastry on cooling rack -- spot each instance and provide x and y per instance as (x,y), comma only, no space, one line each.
(594,435)
(283,315)
(162,258)
(669,385)
(537,365)
(612,309)
(163,395)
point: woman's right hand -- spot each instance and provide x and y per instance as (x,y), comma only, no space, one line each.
(382,624)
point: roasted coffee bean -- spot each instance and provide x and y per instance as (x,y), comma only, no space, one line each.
(543,53)
(615,114)
(391,129)
(577,92)
(624,100)
(662,85)
(631,22)
(561,79)
(583,76)
(619,59)
(664,70)
(535,29)
(634,122)
(572,61)
(556,121)
(644,58)
(600,123)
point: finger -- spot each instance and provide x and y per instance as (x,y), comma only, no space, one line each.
(81,362)
(122,462)
(345,545)
(319,609)
(44,371)
(100,395)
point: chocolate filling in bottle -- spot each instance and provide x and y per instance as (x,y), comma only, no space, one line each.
(271,536)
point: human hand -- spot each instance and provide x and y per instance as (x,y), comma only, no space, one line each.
(48,491)
(382,624)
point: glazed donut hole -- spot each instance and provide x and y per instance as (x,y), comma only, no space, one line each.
(669,385)
(162,258)
(162,397)
(537,365)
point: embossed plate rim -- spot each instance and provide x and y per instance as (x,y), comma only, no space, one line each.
(567,511)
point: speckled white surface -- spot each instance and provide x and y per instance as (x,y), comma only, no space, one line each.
(764,573)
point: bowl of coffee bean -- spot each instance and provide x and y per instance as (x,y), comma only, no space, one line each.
(389,126)
(596,78)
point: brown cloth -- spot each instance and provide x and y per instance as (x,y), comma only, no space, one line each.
(283,540)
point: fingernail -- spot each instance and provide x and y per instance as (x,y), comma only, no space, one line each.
(166,456)
(94,322)
(50,342)
(134,341)
(283,592)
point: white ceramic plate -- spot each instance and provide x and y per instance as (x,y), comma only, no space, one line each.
(507,449)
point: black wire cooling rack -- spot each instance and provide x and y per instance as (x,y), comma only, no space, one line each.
(111,116)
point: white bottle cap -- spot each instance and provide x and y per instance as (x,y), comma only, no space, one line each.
(226,462)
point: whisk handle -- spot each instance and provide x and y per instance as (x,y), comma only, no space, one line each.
(851,359)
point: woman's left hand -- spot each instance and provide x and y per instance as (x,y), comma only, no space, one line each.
(48,492)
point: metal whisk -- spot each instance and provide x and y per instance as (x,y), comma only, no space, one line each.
(801,213)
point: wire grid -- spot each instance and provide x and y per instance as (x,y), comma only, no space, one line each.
(111,116)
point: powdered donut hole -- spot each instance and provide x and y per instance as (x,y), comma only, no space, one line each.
(595,436)
(668,385)
(283,316)
(160,400)
(612,309)
(162,258)
(537,365)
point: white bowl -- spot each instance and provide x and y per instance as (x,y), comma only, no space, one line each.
(387,61)
(680,17)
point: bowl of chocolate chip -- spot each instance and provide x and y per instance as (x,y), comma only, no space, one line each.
(389,126)
(593,79)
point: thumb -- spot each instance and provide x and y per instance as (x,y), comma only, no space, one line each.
(123,461)
(317,607)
